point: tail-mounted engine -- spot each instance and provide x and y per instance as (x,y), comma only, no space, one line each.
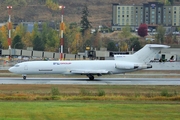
(130,66)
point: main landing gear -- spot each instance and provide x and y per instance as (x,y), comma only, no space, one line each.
(91,77)
(24,77)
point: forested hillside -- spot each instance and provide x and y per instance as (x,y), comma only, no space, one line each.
(37,10)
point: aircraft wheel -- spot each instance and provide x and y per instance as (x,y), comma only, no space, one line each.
(91,78)
(24,77)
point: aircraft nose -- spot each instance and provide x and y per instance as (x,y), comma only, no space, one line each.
(11,69)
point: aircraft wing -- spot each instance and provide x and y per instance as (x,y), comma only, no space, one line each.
(93,72)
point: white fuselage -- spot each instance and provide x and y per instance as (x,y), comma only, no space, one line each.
(65,67)
(121,64)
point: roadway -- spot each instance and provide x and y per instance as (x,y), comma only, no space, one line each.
(97,81)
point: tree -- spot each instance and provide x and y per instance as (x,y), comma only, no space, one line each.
(52,4)
(4,37)
(96,40)
(73,38)
(52,43)
(123,46)
(75,45)
(68,38)
(166,2)
(125,33)
(111,46)
(160,34)
(44,33)
(27,40)
(169,39)
(16,2)
(142,30)
(1,45)
(85,24)
(171,1)
(135,44)
(86,40)
(38,44)
(17,43)
(175,39)
(20,30)
(35,31)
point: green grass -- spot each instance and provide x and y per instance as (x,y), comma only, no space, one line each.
(88,110)
(89,102)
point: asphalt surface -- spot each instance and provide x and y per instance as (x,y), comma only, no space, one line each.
(97,81)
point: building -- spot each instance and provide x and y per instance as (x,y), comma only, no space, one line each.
(151,13)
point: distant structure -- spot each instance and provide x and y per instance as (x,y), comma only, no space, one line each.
(62,32)
(9,26)
(151,13)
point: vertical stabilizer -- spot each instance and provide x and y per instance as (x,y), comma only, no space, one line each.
(148,52)
(144,55)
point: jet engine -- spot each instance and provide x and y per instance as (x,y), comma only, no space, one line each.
(125,66)
(132,66)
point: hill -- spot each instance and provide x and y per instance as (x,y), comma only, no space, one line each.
(35,10)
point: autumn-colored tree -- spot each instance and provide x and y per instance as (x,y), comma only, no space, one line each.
(76,43)
(123,46)
(4,36)
(142,30)
(20,30)
(27,40)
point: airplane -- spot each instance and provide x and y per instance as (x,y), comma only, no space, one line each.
(121,64)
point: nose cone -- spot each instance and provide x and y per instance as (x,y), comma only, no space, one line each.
(11,69)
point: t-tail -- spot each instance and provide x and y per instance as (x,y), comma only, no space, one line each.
(144,55)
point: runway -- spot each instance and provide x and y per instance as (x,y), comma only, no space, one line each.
(97,81)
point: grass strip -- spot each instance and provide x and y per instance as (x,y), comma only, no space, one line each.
(87,110)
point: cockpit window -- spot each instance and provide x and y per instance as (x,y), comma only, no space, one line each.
(16,66)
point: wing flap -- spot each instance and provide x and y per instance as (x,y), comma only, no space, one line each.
(89,72)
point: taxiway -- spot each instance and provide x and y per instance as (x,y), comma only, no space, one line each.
(98,81)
